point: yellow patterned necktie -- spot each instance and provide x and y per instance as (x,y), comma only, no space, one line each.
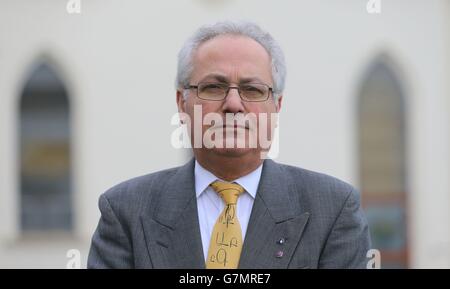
(226,239)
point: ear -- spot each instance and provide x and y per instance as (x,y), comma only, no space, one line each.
(181,104)
(180,101)
(278,103)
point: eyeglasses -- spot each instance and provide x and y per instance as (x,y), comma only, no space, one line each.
(252,92)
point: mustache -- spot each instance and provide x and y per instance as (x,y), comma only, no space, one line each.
(222,125)
(232,121)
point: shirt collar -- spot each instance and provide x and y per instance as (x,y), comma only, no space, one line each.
(203,178)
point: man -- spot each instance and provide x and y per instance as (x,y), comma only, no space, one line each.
(228,207)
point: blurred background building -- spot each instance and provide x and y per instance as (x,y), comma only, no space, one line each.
(86,101)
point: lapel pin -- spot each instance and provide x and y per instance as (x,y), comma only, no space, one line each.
(279,254)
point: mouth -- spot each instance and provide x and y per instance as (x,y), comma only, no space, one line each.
(234,126)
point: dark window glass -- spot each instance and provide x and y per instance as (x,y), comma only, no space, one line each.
(382,149)
(45,163)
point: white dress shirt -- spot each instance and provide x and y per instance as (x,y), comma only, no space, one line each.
(210,205)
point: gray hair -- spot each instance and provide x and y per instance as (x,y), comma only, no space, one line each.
(248,29)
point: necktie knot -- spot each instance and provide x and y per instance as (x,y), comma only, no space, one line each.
(227,191)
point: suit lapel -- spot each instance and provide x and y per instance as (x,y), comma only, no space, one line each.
(275,216)
(172,233)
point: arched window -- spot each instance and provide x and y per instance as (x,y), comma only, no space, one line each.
(45,163)
(382,159)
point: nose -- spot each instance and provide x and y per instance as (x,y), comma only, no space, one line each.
(233,102)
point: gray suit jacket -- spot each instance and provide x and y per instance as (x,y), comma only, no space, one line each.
(152,222)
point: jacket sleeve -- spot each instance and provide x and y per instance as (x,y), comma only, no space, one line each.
(110,247)
(349,239)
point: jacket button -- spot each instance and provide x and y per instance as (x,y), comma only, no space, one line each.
(281,241)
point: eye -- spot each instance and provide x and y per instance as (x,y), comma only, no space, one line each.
(252,88)
(211,87)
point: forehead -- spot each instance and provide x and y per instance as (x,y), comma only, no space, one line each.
(232,54)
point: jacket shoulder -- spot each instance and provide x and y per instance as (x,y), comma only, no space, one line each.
(319,185)
(138,190)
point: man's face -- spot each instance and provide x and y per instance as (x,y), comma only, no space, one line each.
(233,60)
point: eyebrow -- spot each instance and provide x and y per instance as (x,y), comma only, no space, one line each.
(224,79)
